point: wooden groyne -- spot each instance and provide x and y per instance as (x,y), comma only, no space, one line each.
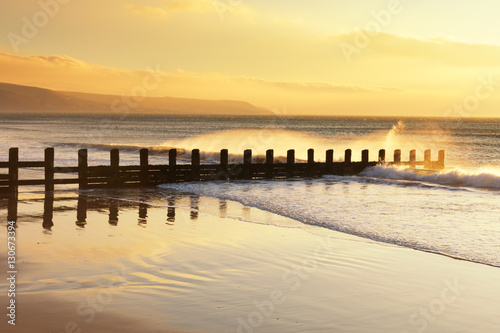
(145,174)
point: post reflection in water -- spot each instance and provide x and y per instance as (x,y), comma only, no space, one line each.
(84,203)
(113,212)
(194,206)
(81,211)
(171,210)
(143,214)
(222,207)
(48,211)
(12,208)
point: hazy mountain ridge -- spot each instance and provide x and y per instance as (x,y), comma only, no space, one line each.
(18,98)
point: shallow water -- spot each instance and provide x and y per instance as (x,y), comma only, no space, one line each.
(203,264)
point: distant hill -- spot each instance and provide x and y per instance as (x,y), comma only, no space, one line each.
(17,98)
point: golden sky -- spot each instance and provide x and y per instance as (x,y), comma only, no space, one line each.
(327,57)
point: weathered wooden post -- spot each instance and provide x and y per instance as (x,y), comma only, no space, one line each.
(290,163)
(223,173)
(310,162)
(114,167)
(269,163)
(82,168)
(381,156)
(172,165)
(440,159)
(365,156)
(49,169)
(144,165)
(329,161)
(348,156)
(397,156)
(13,170)
(247,164)
(224,157)
(413,158)
(195,164)
(427,159)
(347,165)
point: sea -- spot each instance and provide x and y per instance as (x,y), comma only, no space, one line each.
(453,212)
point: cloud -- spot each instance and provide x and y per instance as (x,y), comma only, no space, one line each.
(444,50)
(299,97)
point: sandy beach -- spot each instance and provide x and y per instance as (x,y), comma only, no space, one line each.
(180,263)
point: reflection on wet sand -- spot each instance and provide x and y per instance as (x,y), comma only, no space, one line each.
(85,202)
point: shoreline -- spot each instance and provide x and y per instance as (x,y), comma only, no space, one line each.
(219,266)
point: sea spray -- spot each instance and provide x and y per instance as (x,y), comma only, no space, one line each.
(456,177)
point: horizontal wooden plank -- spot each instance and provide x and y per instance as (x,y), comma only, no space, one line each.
(66,169)
(31,164)
(31,182)
(66,181)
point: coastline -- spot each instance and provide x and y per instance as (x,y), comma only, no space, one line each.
(206,265)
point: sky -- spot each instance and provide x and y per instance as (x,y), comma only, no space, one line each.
(316,57)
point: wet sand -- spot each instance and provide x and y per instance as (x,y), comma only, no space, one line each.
(195,264)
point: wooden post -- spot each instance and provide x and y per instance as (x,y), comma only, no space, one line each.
(247,156)
(144,164)
(195,164)
(290,161)
(290,156)
(365,156)
(381,156)
(348,156)
(427,159)
(224,158)
(49,169)
(310,156)
(413,158)
(82,168)
(247,161)
(440,159)
(172,162)
(114,156)
(328,162)
(397,156)
(13,169)
(310,162)
(269,163)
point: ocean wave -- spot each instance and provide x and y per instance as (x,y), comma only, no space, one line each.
(487,178)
